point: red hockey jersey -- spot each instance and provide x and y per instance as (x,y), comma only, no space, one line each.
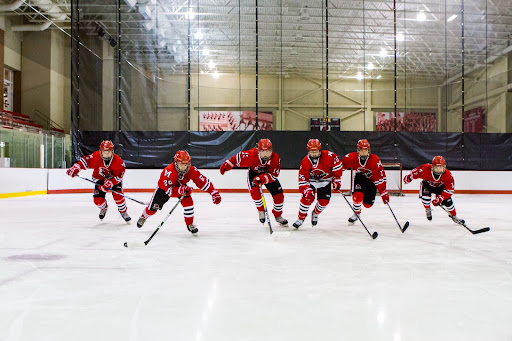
(113,171)
(372,168)
(251,159)
(170,180)
(425,172)
(319,173)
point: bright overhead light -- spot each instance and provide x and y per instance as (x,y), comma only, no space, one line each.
(206,52)
(161,43)
(379,77)
(421,16)
(452,17)
(215,75)
(198,35)
(148,25)
(211,64)
(400,36)
(383,53)
(359,75)
(370,66)
(190,15)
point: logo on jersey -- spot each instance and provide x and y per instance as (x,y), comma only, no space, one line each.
(261,169)
(317,174)
(105,172)
(365,172)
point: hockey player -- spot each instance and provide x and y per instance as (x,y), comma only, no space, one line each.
(370,177)
(108,172)
(264,168)
(317,171)
(436,180)
(173,183)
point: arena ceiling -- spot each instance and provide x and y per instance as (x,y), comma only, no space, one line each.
(292,34)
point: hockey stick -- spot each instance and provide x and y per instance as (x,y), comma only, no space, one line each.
(116,192)
(158,228)
(375,234)
(267,217)
(406,225)
(485,229)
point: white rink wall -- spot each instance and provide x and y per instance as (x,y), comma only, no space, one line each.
(18,180)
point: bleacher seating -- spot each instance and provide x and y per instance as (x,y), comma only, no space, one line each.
(12,120)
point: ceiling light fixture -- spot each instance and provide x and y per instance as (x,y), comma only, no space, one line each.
(400,36)
(198,35)
(452,17)
(421,16)
(383,53)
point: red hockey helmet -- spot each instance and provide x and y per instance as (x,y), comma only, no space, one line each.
(438,161)
(106,150)
(182,156)
(363,144)
(264,144)
(107,145)
(314,144)
(182,161)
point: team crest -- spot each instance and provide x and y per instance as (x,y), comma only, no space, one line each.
(105,172)
(317,174)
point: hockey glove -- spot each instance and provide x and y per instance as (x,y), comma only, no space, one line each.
(107,185)
(385,197)
(336,184)
(225,167)
(309,194)
(407,178)
(437,201)
(184,189)
(73,171)
(216,197)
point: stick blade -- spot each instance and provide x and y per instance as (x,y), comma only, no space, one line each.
(375,235)
(406,225)
(134,244)
(485,229)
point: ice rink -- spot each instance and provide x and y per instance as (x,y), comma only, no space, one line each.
(64,275)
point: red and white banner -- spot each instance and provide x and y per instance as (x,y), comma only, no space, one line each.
(474,120)
(406,121)
(234,120)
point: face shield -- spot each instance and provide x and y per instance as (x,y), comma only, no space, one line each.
(314,154)
(182,168)
(438,169)
(363,153)
(106,155)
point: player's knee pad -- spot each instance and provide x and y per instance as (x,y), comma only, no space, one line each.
(357,197)
(117,197)
(278,198)
(99,201)
(307,200)
(187,201)
(255,193)
(323,202)
(367,205)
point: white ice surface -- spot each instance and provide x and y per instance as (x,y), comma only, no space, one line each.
(64,275)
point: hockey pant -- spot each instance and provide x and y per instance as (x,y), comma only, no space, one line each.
(426,192)
(275,190)
(159,199)
(101,202)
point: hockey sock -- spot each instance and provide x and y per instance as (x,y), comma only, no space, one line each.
(100,202)
(120,202)
(278,204)
(147,213)
(256,197)
(425,200)
(321,204)
(304,207)
(357,198)
(188,210)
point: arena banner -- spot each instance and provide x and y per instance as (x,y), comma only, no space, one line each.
(155,149)
(406,121)
(234,121)
(474,120)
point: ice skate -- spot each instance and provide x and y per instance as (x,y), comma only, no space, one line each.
(103,211)
(352,219)
(192,228)
(298,223)
(314,219)
(125,216)
(457,220)
(428,212)
(141,221)
(282,221)
(261,216)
